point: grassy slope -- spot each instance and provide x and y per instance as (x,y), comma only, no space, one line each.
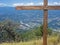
(52,40)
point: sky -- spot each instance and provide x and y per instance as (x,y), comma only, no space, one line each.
(13,3)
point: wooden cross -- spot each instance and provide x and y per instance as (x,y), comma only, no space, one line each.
(45,20)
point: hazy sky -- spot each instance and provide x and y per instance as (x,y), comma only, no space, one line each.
(26,2)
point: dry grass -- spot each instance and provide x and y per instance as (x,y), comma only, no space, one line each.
(52,40)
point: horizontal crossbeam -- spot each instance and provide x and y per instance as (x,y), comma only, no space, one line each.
(53,7)
(37,7)
(29,7)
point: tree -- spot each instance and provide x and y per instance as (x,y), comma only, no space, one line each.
(9,27)
(39,31)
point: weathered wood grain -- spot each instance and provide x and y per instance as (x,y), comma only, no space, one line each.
(29,7)
(53,7)
(38,7)
(45,22)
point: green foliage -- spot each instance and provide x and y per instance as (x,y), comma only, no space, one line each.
(35,33)
(39,31)
(28,35)
(9,31)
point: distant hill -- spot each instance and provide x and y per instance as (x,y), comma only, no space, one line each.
(30,18)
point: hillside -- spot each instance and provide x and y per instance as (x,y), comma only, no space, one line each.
(30,18)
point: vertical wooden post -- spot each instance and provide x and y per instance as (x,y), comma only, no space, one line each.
(45,23)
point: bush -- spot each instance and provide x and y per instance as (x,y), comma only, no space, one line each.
(8,30)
